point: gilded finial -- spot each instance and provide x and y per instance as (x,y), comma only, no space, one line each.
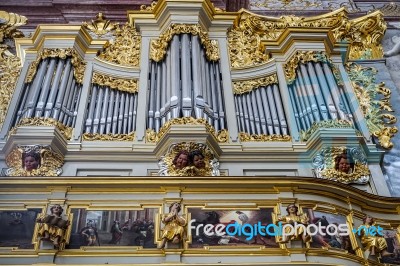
(100,26)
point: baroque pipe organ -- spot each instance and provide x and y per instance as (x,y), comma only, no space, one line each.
(194,114)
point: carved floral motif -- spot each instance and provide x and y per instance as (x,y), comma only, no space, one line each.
(128,85)
(246,137)
(240,87)
(100,26)
(108,137)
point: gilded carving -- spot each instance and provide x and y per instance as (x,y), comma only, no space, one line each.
(10,65)
(305,135)
(246,137)
(125,49)
(128,85)
(342,164)
(158,48)
(148,8)
(222,136)
(189,159)
(245,39)
(108,137)
(42,121)
(240,87)
(34,160)
(10,68)
(78,64)
(9,23)
(365,35)
(367,91)
(100,26)
(303,57)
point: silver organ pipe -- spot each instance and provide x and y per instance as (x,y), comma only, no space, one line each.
(112,111)
(185,84)
(316,96)
(53,93)
(260,111)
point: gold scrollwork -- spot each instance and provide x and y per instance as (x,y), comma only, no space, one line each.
(125,49)
(10,68)
(303,57)
(246,137)
(222,136)
(365,35)
(100,26)
(109,137)
(9,24)
(366,91)
(50,161)
(245,39)
(128,85)
(240,87)
(78,64)
(305,135)
(158,47)
(42,121)
(148,8)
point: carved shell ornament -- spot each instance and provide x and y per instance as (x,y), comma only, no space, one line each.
(34,160)
(189,159)
(345,165)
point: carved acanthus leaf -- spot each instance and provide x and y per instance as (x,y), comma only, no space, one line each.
(100,26)
(246,137)
(125,49)
(245,86)
(9,23)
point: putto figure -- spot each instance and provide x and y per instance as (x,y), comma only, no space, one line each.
(189,159)
(30,161)
(344,163)
(292,218)
(374,243)
(174,229)
(53,227)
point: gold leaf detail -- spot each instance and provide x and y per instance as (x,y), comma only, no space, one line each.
(109,137)
(240,87)
(148,8)
(100,25)
(125,49)
(246,137)
(42,121)
(76,61)
(151,136)
(158,48)
(128,85)
(9,23)
(366,91)
(10,67)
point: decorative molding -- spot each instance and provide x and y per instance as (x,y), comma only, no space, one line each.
(78,64)
(42,121)
(222,136)
(100,26)
(108,137)
(241,87)
(128,85)
(366,91)
(158,48)
(324,163)
(305,135)
(50,161)
(246,137)
(125,49)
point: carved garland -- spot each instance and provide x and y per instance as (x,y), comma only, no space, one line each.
(158,48)
(222,136)
(76,61)
(241,87)
(108,137)
(246,137)
(41,121)
(128,85)
(363,82)
(125,49)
